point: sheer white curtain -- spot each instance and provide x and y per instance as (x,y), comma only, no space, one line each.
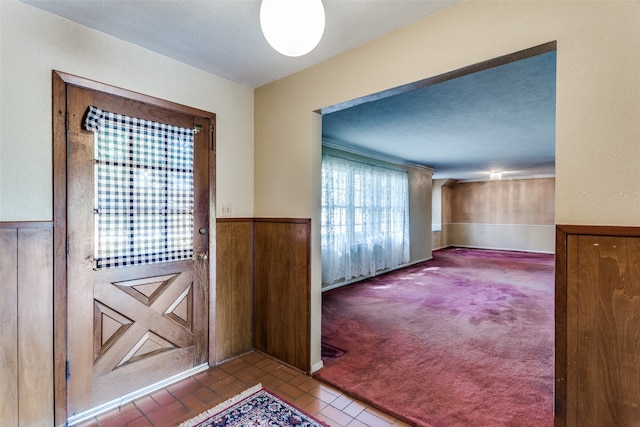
(365,219)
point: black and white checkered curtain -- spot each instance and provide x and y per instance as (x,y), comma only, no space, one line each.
(144,190)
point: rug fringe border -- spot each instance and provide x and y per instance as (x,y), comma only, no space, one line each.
(222,406)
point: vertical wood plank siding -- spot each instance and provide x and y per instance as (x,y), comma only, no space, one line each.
(234,288)
(270,255)
(9,329)
(26,313)
(282,290)
(517,201)
(597,326)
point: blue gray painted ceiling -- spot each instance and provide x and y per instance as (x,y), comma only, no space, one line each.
(498,119)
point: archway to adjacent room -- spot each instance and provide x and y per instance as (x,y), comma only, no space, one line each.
(457,193)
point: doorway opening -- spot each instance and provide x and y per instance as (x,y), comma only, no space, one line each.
(133,183)
(501,113)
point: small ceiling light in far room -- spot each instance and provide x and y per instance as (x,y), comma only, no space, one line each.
(292,27)
(494,176)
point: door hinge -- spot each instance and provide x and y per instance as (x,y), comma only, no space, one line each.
(66,121)
(67,371)
(66,248)
(197,128)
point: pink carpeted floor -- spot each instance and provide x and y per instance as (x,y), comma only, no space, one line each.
(465,339)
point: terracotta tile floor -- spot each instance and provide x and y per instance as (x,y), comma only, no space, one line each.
(189,397)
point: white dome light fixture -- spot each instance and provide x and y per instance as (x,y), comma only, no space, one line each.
(292,27)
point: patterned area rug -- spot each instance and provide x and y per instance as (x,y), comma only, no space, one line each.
(252,408)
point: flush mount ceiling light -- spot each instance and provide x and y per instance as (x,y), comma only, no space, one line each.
(495,176)
(292,27)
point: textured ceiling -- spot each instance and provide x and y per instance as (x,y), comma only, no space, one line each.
(498,119)
(224,37)
(501,118)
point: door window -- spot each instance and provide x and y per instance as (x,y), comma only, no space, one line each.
(143,190)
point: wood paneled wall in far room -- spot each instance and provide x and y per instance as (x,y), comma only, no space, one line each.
(514,201)
(26,328)
(516,214)
(597,326)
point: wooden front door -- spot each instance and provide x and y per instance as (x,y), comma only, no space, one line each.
(137,282)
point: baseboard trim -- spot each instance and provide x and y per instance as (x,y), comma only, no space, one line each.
(502,249)
(105,407)
(317,366)
(378,273)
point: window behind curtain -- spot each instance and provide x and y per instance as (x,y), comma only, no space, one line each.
(144,190)
(365,219)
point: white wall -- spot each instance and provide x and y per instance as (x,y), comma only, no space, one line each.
(436,206)
(514,237)
(33,43)
(597,104)
(420,240)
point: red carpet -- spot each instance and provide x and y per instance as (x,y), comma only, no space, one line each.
(465,339)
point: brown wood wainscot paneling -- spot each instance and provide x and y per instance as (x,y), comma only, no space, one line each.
(597,326)
(26,316)
(282,290)
(516,201)
(234,288)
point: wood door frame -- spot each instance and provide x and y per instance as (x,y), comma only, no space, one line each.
(60,82)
